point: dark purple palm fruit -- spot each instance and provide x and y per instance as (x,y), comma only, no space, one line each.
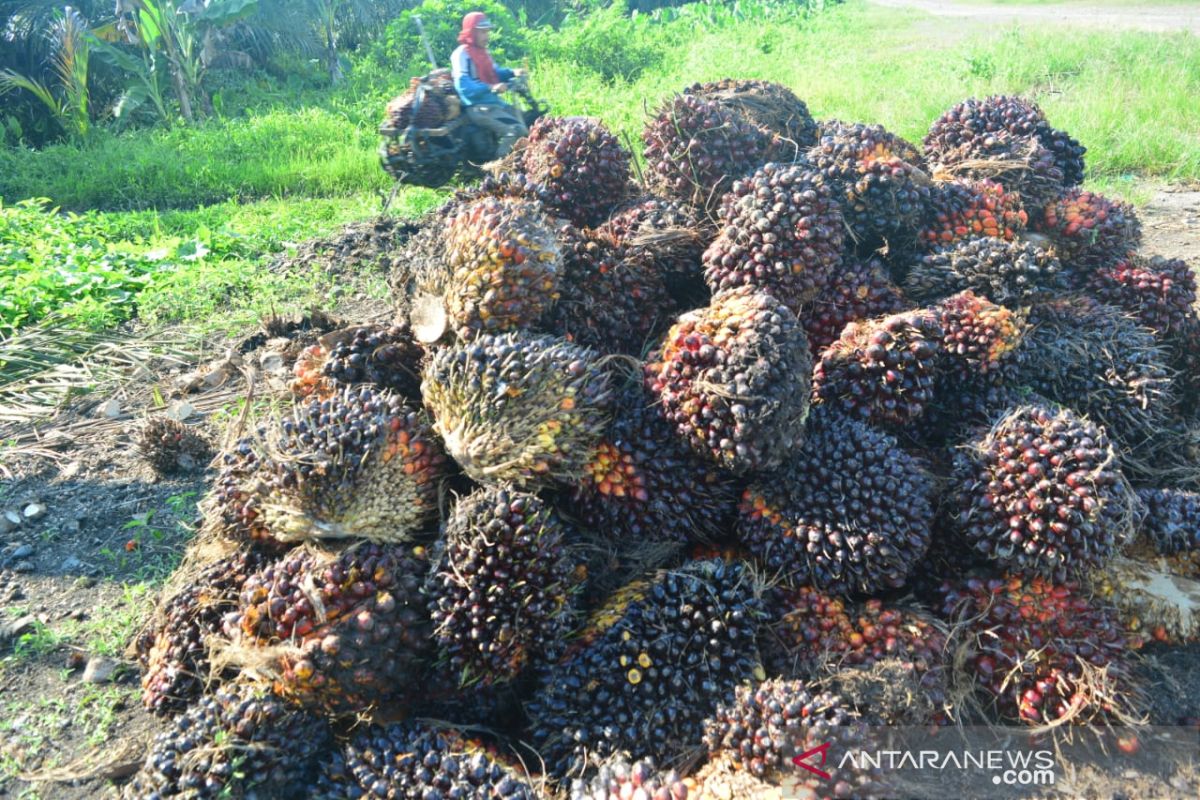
(1171,521)
(1160,292)
(1011,273)
(772,106)
(386,356)
(861,289)
(581,166)
(1088,231)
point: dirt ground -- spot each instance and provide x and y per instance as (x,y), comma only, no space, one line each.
(1136,17)
(79,574)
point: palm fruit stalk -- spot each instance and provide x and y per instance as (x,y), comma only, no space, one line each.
(386,356)
(962,209)
(1010,273)
(644,483)
(620,780)
(1153,601)
(849,512)
(613,297)
(417,760)
(518,408)
(860,290)
(172,650)
(1041,493)
(1171,522)
(361,464)
(733,379)
(648,668)
(695,149)
(882,370)
(581,166)
(169,446)
(1037,648)
(1089,231)
(875,176)
(341,633)
(501,592)
(771,106)
(239,743)
(779,232)
(504,266)
(1097,360)
(1010,140)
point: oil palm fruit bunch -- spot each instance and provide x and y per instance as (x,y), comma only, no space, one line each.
(169,446)
(384,355)
(1171,520)
(961,209)
(419,761)
(648,668)
(235,501)
(1040,493)
(1160,292)
(620,780)
(582,167)
(361,464)
(981,341)
(428,109)
(671,231)
(765,725)
(504,266)
(849,512)
(779,232)
(1098,361)
(238,743)
(172,651)
(501,591)
(342,631)
(882,370)
(733,380)
(518,408)
(644,483)
(875,176)
(1008,129)
(769,105)
(1010,273)
(860,290)
(695,149)
(1089,231)
(1037,646)
(613,297)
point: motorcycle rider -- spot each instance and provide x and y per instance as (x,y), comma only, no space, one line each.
(479,83)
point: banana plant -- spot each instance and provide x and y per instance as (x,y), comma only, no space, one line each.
(146,77)
(69,100)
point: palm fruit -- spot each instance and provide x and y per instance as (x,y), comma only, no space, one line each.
(419,761)
(882,370)
(673,233)
(733,379)
(172,651)
(1160,292)
(780,232)
(1088,230)
(1041,493)
(769,105)
(613,297)
(234,504)
(504,266)
(1010,273)
(1172,520)
(169,446)
(961,209)
(1152,600)
(620,780)
(386,356)
(765,725)
(1098,361)
(648,667)
(342,632)
(500,594)
(849,512)
(695,149)
(874,175)
(1008,129)
(518,408)
(582,167)
(240,742)
(1037,646)
(980,340)
(860,290)
(645,484)
(361,464)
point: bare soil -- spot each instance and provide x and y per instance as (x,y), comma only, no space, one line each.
(1160,19)
(86,569)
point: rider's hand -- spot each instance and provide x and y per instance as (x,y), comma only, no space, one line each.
(500,88)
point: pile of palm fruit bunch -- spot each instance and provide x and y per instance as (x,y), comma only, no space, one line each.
(429,102)
(640,493)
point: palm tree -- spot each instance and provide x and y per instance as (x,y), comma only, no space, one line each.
(67,42)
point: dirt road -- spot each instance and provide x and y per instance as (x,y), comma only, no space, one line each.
(1161,19)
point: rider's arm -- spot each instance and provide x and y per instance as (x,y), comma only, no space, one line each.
(469,88)
(504,74)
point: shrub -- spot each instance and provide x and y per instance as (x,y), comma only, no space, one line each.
(400,47)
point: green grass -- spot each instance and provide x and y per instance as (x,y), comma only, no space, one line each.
(1114,3)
